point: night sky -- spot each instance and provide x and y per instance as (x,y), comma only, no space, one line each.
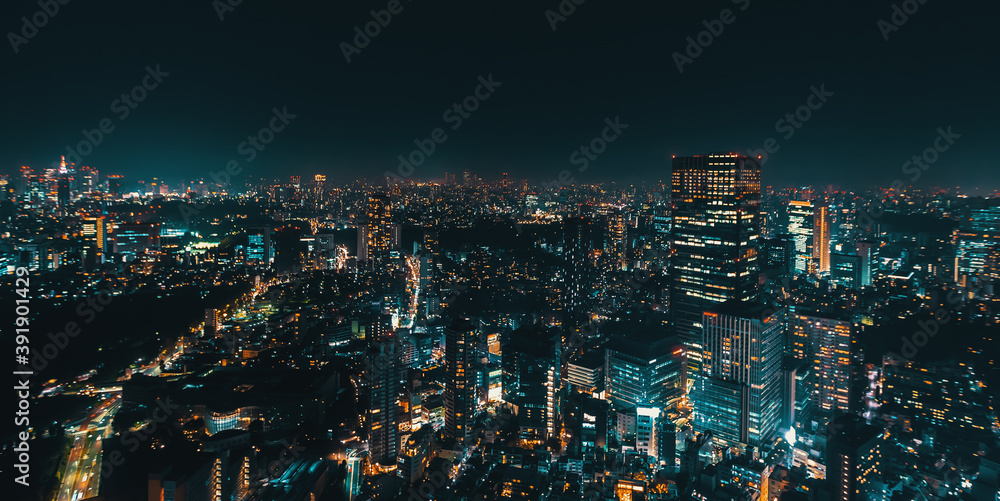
(606,59)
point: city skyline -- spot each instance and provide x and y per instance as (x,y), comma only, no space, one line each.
(569,250)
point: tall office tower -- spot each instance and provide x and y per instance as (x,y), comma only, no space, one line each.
(532,381)
(460,376)
(801,224)
(976,242)
(866,256)
(715,243)
(259,248)
(375,236)
(738,393)
(826,342)
(577,244)
(95,233)
(821,239)
(616,243)
(384,376)
(853,460)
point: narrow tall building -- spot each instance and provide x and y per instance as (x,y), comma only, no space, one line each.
(821,239)
(715,242)
(738,393)
(801,224)
(578,240)
(375,236)
(384,373)
(460,379)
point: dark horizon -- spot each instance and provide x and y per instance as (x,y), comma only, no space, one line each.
(223,79)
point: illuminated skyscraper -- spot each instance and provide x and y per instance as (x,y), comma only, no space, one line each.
(821,239)
(801,221)
(95,232)
(460,377)
(826,343)
(615,237)
(259,248)
(716,231)
(375,236)
(383,370)
(738,393)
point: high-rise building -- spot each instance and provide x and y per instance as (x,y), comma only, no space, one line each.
(738,392)
(259,248)
(577,244)
(383,367)
(460,377)
(866,256)
(376,234)
(821,239)
(645,369)
(827,343)
(716,230)
(95,233)
(801,226)
(532,381)
(615,242)
(854,460)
